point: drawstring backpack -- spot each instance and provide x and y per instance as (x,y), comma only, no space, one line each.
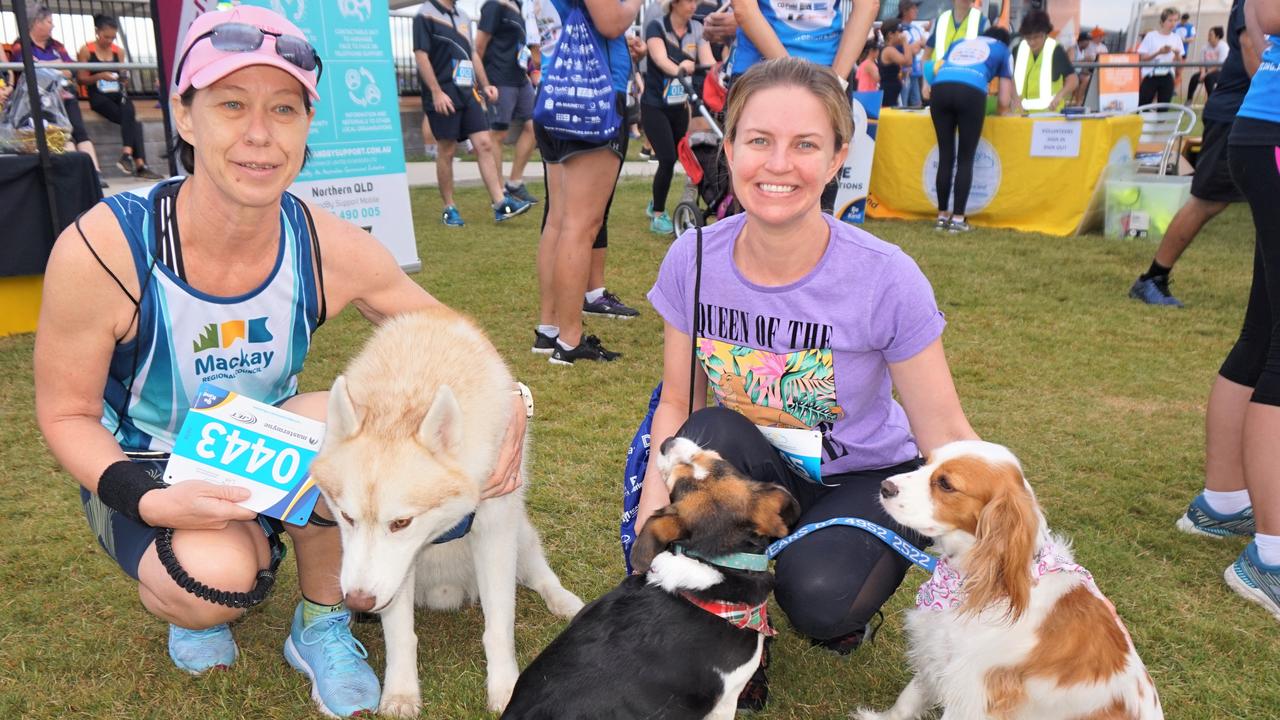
(575,100)
(638,453)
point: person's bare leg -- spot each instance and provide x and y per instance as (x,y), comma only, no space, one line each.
(445,150)
(548,245)
(524,150)
(589,179)
(1184,227)
(495,153)
(1262,465)
(1223,436)
(484,148)
(317,549)
(87,147)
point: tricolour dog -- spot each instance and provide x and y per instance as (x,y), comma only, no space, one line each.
(414,431)
(1009,627)
(680,640)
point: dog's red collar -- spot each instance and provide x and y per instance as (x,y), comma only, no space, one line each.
(739,615)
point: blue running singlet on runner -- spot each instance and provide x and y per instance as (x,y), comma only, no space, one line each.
(253,344)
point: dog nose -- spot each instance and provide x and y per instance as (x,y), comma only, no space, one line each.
(887,490)
(359,601)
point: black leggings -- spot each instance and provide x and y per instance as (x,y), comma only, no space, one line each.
(79,133)
(119,110)
(956,105)
(1155,88)
(833,581)
(1210,81)
(1254,361)
(664,126)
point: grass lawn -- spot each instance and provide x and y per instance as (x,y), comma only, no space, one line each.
(1102,397)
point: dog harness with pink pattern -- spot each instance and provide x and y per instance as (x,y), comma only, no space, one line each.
(944,590)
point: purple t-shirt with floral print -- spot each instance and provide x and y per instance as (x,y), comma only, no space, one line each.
(813,354)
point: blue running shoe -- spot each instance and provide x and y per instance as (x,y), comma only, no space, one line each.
(1154,291)
(508,207)
(520,192)
(1255,581)
(342,683)
(452,217)
(198,651)
(1200,519)
(661,224)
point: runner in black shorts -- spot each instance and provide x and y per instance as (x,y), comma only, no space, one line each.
(451,74)
(581,179)
(1211,187)
(502,45)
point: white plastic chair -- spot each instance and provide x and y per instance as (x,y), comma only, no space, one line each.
(1164,124)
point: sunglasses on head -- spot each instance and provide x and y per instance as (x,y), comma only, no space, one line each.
(241,37)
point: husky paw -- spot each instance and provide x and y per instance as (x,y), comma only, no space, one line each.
(501,686)
(867,714)
(562,603)
(405,706)
(445,597)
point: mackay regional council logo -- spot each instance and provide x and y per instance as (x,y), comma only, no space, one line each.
(222,336)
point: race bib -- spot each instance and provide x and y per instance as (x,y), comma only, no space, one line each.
(108,86)
(801,449)
(464,74)
(674,94)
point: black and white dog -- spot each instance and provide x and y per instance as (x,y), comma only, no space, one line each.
(679,640)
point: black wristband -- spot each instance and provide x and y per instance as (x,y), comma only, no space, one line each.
(122,486)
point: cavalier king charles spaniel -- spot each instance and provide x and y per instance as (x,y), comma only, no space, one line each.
(1009,627)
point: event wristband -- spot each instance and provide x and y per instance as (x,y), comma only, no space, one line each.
(122,486)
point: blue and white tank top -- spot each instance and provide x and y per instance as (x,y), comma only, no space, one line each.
(808,29)
(253,344)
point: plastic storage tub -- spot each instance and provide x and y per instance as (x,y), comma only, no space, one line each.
(1143,206)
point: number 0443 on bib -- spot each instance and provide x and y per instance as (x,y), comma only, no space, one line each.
(230,439)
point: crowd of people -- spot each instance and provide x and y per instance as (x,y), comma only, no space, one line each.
(854,314)
(107,90)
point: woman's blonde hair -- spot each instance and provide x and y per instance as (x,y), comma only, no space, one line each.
(791,72)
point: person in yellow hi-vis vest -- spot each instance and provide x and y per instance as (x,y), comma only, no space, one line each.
(1042,73)
(964,21)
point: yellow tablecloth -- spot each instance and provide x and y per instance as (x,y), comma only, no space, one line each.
(1011,189)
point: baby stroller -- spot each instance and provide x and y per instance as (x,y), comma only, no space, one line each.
(704,164)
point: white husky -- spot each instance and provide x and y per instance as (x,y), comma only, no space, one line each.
(414,430)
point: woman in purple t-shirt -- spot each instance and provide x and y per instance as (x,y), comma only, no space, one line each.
(805,326)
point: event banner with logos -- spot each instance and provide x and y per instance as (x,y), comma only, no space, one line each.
(356,169)
(855,177)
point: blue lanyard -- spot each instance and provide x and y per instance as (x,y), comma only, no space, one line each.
(895,541)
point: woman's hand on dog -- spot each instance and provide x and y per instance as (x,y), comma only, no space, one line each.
(506,474)
(195,505)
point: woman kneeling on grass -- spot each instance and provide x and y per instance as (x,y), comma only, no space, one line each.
(805,324)
(201,273)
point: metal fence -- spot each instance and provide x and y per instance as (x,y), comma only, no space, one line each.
(73,27)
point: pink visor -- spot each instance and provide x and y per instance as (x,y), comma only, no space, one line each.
(202,64)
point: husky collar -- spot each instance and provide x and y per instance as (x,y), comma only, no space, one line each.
(743,616)
(457,531)
(751,562)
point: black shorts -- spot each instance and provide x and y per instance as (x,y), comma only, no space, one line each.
(126,540)
(466,120)
(1212,179)
(554,150)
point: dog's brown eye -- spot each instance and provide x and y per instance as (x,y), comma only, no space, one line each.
(398,525)
(944,484)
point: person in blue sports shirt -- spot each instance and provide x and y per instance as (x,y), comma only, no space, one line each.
(959,105)
(815,30)
(203,271)
(1245,400)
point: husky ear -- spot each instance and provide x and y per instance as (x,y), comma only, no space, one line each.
(775,511)
(441,429)
(664,527)
(342,420)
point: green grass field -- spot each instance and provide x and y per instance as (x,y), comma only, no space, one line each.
(1102,397)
